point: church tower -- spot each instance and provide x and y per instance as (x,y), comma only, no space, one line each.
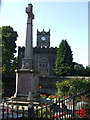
(43,39)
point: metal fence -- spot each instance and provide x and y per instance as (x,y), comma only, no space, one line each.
(65,108)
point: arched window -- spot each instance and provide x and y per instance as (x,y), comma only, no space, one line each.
(43,67)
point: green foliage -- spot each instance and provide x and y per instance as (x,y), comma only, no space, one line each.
(87,71)
(72,85)
(63,62)
(51,97)
(79,70)
(44,113)
(9,37)
(43,96)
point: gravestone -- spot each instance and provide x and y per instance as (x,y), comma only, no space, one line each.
(27,79)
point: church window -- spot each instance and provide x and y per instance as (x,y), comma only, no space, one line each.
(40,64)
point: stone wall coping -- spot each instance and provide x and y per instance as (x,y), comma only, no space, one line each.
(62,77)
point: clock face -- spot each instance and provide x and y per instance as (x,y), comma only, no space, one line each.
(43,38)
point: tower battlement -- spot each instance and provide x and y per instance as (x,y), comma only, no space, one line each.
(47,50)
(39,49)
(43,32)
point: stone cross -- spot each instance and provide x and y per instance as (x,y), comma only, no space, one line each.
(27,62)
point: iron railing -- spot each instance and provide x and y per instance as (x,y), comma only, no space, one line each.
(65,108)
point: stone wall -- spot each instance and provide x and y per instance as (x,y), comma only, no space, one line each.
(48,84)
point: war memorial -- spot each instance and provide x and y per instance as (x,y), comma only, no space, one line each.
(35,69)
(27,79)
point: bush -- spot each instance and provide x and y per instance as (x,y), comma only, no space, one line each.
(72,85)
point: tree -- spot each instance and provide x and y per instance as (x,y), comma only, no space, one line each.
(9,37)
(87,70)
(63,63)
(80,70)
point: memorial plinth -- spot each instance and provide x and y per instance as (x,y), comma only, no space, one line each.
(27,81)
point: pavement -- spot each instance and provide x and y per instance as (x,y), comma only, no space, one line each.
(10,115)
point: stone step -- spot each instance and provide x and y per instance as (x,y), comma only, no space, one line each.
(22,103)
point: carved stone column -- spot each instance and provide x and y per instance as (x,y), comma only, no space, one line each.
(27,62)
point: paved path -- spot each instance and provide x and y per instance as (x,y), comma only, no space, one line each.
(10,115)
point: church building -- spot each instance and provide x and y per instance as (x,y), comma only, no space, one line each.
(44,55)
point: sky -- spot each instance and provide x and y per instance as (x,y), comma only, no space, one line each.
(66,20)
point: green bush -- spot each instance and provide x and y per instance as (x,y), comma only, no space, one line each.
(72,85)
